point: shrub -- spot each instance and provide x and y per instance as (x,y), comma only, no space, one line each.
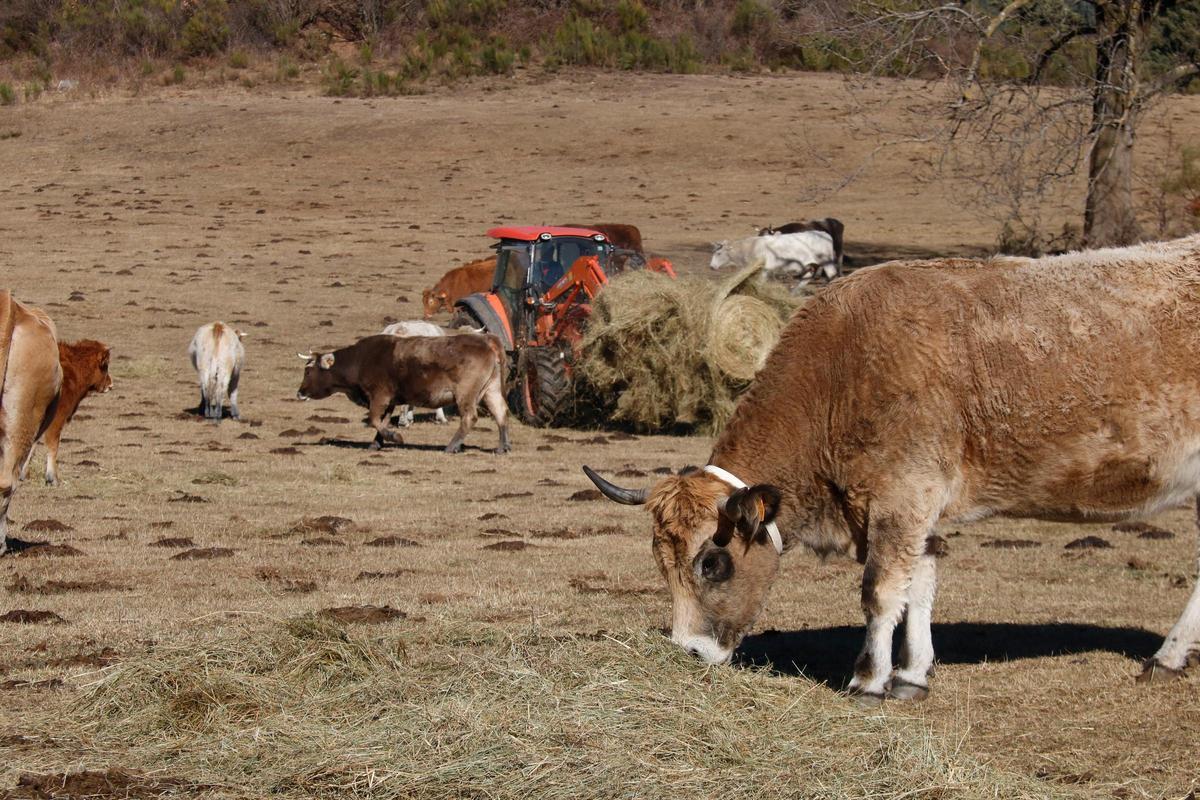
(207,30)
(497,58)
(286,69)
(751,18)
(238,59)
(176,77)
(632,16)
(7,95)
(339,78)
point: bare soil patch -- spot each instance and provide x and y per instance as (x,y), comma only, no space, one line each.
(23,616)
(46,526)
(364,615)
(173,541)
(203,553)
(100,784)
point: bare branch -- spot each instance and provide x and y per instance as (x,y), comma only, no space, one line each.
(1055,45)
(1172,78)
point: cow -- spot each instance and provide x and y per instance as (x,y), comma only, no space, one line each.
(907,394)
(794,254)
(30,381)
(218,356)
(622,237)
(458,283)
(382,371)
(833,227)
(416,328)
(84,370)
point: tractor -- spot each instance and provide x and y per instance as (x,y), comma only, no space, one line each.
(539,305)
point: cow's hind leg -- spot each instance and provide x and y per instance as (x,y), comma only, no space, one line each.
(896,545)
(233,396)
(493,398)
(1171,659)
(468,411)
(911,681)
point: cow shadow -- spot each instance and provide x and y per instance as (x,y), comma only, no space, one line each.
(365,444)
(827,654)
(198,412)
(865,254)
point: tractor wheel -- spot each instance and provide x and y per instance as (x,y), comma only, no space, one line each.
(464,318)
(543,390)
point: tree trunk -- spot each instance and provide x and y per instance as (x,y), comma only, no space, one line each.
(1109,218)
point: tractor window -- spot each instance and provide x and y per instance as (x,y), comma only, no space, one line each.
(555,257)
(512,268)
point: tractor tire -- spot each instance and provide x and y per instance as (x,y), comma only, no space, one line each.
(463,318)
(543,388)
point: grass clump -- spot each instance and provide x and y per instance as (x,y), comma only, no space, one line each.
(308,708)
(679,352)
(7,96)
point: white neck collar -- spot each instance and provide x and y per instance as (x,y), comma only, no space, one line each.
(738,483)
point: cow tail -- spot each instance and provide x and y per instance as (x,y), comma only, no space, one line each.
(8,319)
(501,362)
(214,389)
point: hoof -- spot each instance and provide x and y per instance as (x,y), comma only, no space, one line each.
(866,699)
(502,450)
(1154,672)
(903,690)
(374,446)
(453,449)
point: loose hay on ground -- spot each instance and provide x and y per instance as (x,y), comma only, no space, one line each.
(311,709)
(679,352)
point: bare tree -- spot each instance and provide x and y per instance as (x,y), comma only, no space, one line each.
(1036,89)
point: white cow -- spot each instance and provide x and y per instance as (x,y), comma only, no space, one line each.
(416,327)
(799,255)
(218,356)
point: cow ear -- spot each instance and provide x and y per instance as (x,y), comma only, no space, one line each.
(751,508)
(326,361)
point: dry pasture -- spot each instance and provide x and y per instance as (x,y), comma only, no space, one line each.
(268,607)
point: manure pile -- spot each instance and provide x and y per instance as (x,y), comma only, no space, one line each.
(679,352)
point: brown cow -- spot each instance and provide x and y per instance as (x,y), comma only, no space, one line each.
(383,371)
(458,283)
(1064,388)
(623,237)
(84,370)
(30,379)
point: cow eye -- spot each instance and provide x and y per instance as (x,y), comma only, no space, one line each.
(716,566)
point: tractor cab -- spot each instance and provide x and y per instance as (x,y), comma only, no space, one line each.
(531,260)
(545,279)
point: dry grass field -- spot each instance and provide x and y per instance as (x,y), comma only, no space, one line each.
(515,647)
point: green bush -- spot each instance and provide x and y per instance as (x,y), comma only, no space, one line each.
(632,16)
(207,31)
(751,18)
(239,60)
(475,13)
(497,58)
(339,78)
(7,95)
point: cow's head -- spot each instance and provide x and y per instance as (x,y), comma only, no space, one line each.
(432,300)
(720,256)
(91,360)
(318,381)
(713,549)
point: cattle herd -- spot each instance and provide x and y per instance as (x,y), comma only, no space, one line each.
(902,396)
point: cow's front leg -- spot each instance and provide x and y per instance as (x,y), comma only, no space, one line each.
(378,413)
(911,681)
(891,562)
(1182,641)
(439,416)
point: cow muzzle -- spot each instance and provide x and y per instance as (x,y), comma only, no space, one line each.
(302,396)
(705,648)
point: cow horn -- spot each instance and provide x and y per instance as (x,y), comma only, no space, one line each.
(306,357)
(629,497)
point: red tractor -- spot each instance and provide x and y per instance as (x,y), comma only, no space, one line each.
(539,305)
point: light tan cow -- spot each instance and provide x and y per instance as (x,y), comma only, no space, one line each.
(30,380)
(911,393)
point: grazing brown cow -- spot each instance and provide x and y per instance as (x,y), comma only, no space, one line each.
(458,283)
(30,379)
(1064,388)
(624,237)
(84,370)
(383,371)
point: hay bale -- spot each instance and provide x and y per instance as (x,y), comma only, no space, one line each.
(662,353)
